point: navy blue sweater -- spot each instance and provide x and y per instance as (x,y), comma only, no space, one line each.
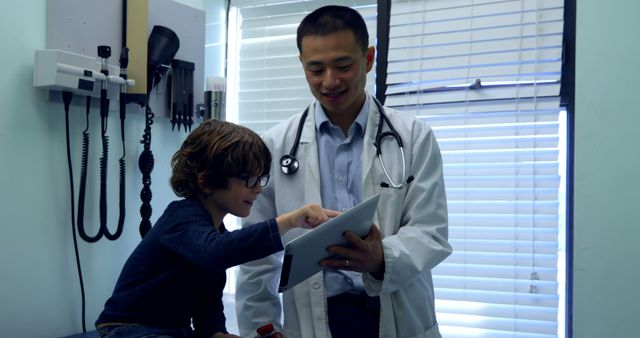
(176,274)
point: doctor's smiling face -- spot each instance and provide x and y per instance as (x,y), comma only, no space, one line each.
(336,69)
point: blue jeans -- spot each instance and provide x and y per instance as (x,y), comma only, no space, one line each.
(140,331)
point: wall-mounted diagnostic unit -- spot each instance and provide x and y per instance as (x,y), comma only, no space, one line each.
(76,27)
(61,70)
(145,55)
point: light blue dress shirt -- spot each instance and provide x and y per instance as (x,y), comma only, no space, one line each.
(340,160)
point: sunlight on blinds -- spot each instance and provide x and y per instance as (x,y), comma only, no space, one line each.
(485,75)
(270,80)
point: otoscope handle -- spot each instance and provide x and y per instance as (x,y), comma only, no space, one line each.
(104,103)
(123,105)
(124,58)
(104,52)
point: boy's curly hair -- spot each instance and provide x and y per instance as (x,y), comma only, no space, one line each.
(218,150)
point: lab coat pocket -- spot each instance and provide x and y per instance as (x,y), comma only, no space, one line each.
(389,209)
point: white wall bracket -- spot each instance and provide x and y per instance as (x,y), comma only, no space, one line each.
(60,70)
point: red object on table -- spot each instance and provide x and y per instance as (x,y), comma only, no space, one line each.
(266,331)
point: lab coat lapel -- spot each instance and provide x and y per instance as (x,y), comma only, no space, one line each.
(369,149)
(310,292)
(308,153)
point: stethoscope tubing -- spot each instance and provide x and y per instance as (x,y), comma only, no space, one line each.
(391,183)
(289,164)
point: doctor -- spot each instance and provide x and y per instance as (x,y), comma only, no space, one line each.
(382,286)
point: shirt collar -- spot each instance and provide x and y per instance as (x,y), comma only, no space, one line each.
(321,117)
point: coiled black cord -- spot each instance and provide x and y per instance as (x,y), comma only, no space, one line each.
(66,98)
(118,232)
(104,164)
(146,163)
(104,161)
(121,164)
(83,181)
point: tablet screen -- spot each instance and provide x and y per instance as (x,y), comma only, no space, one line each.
(301,255)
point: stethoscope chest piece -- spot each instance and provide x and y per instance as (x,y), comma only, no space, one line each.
(289,164)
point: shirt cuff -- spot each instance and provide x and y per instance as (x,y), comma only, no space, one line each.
(274,234)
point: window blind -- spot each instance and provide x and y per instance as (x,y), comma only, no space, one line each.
(269,80)
(485,74)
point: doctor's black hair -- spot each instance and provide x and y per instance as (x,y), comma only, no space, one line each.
(214,152)
(331,19)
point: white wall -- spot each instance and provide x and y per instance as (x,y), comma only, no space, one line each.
(607,162)
(193,3)
(39,288)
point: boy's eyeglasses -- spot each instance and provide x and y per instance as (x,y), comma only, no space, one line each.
(252,181)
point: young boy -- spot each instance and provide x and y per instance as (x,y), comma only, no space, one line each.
(173,280)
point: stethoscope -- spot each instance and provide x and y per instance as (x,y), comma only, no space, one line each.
(290,164)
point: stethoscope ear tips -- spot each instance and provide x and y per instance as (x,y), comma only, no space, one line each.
(289,164)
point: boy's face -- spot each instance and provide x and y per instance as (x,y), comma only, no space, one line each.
(336,70)
(236,199)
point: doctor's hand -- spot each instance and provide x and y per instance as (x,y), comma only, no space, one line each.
(364,255)
(309,216)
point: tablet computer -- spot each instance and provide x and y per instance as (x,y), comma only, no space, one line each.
(302,254)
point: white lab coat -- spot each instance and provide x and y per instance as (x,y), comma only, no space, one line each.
(413,221)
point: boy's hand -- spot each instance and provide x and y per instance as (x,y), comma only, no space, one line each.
(309,216)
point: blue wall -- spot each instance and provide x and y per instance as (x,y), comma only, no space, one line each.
(39,288)
(607,174)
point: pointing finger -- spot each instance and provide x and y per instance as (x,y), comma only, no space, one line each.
(331,213)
